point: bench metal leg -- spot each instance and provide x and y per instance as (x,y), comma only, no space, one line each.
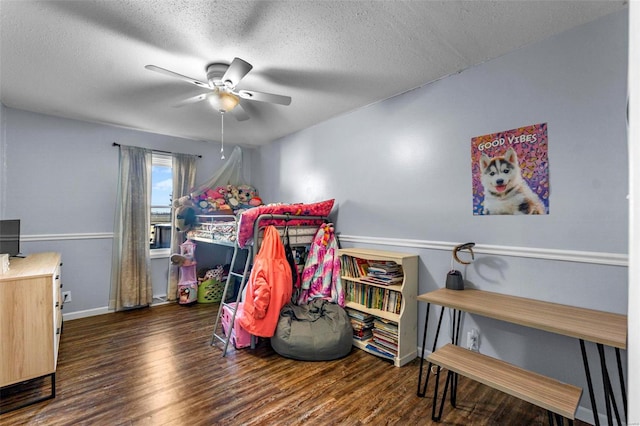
(585,361)
(455,339)
(444,395)
(609,396)
(423,391)
(424,345)
(452,378)
(559,420)
(622,386)
(435,397)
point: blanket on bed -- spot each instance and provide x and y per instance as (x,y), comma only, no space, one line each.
(298,211)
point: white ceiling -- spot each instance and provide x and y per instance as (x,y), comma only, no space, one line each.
(85,59)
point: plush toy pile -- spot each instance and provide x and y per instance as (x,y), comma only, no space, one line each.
(229,199)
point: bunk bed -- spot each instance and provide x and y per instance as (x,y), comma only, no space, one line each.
(300,222)
(241,230)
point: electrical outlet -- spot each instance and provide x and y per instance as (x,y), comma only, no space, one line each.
(473,339)
(66,296)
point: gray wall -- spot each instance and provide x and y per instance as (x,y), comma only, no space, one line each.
(400,173)
(59,176)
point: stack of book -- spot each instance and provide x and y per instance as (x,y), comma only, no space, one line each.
(383,272)
(385,338)
(361,323)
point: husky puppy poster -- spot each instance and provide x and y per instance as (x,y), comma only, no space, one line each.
(510,172)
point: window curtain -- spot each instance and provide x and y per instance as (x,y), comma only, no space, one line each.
(184,179)
(130,272)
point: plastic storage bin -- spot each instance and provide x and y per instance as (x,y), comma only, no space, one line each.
(210,291)
(239,336)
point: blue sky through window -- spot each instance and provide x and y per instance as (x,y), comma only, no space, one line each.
(161,185)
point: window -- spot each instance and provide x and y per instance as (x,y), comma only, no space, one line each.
(161,210)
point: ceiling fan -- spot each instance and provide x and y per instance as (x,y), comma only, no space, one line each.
(221,83)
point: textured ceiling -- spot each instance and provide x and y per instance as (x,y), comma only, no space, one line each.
(85,59)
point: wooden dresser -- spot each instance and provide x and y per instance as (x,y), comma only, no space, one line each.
(30,318)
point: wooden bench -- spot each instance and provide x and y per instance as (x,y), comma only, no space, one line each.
(550,394)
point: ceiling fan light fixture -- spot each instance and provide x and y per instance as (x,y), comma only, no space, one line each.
(221,82)
(223,101)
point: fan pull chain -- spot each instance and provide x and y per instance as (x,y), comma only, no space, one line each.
(222,135)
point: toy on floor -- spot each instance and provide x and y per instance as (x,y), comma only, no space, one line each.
(188,281)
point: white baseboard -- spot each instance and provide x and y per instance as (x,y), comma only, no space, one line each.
(157,301)
(86,313)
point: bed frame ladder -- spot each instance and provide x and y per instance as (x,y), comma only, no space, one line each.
(244,276)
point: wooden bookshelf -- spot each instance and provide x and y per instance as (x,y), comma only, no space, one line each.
(392,305)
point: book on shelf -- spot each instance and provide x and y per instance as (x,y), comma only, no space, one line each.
(383,324)
(373,297)
(362,324)
(364,334)
(363,316)
(385,337)
(357,324)
(373,347)
(387,346)
(384,273)
(382,280)
(355,267)
(385,266)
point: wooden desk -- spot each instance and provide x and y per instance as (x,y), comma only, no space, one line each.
(601,328)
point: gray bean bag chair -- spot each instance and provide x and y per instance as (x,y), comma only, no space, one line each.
(317,331)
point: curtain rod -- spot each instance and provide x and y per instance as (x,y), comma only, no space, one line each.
(163,152)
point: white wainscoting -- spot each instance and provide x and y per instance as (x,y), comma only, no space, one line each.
(599,258)
(613,259)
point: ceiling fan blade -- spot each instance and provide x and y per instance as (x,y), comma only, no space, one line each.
(180,76)
(264,97)
(192,100)
(239,113)
(236,71)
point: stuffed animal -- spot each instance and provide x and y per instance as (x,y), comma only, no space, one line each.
(233,197)
(211,274)
(229,199)
(246,193)
(255,201)
(185,214)
(181,260)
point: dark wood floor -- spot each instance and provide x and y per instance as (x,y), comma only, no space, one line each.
(155,367)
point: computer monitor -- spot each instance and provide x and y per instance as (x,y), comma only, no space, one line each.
(10,237)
